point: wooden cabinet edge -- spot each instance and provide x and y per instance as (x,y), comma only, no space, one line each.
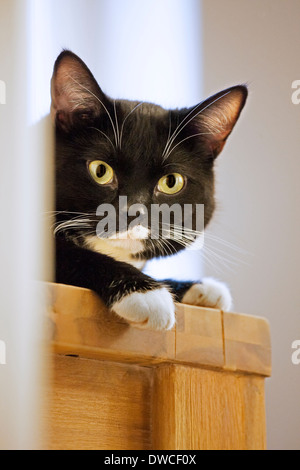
(80,324)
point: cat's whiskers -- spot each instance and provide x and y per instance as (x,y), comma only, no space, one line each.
(175,133)
(79,215)
(226,243)
(169,133)
(166,246)
(102,104)
(182,231)
(173,233)
(117,126)
(213,256)
(183,124)
(183,140)
(67,212)
(218,262)
(105,135)
(125,119)
(67,225)
(74,223)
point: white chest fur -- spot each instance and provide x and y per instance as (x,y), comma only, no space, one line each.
(120,250)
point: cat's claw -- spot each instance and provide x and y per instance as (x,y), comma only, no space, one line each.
(210,293)
(153,309)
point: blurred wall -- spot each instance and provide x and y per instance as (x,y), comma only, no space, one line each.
(25,153)
(258,192)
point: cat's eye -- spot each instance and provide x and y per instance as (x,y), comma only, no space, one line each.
(171,184)
(101,172)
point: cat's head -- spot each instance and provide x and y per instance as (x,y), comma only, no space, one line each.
(130,157)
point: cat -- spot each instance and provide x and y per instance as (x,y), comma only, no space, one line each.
(107,149)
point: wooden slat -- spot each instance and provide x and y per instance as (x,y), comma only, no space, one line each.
(80,324)
(247,345)
(199,336)
(98,405)
(207,409)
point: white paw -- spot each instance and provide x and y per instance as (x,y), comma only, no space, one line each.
(153,309)
(210,293)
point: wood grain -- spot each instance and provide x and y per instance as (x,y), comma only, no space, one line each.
(98,405)
(79,323)
(199,336)
(207,409)
(198,386)
(247,344)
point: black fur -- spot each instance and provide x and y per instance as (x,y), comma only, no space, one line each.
(84,133)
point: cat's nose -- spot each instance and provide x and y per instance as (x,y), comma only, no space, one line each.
(137,214)
(139,199)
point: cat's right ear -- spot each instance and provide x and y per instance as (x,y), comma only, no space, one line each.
(75,93)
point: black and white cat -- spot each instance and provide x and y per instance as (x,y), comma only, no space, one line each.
(108,149)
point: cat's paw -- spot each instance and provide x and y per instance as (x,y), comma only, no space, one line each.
(210,293)
(153,309)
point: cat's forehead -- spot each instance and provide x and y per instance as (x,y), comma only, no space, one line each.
(143,109)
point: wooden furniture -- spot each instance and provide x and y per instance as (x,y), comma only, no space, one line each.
(114,387)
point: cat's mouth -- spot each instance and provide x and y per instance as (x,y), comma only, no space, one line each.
(137,232)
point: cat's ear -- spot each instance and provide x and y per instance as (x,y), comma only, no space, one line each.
(75,93)
(215,118)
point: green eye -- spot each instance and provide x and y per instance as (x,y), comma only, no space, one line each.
(171,184)
(101,172)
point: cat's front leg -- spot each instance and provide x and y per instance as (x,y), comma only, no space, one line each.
(131,294)
(207,293)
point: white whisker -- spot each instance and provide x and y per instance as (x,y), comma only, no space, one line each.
(183,140)
(226,243)
(183,124)
(169,134)
(117,125)
(98,99)
(125,119)
(103,133)
(173,137)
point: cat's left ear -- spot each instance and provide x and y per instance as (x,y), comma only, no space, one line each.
(214,119)
(74,91)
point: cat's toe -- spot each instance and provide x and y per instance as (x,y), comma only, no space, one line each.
(210,293)
(153,309)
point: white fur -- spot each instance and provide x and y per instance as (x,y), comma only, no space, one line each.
(122,245)
(152,309)
(210,293)
(120,250)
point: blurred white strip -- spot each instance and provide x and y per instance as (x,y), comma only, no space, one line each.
(21,237)
(152,51)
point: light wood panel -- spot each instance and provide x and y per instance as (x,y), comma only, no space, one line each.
(98,405)
(207,409)
(199,386)
(247,344)
(79,323)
